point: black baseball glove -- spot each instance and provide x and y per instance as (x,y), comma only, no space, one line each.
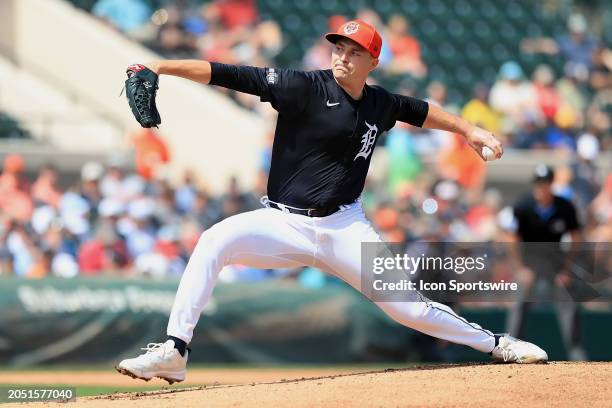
(140,89)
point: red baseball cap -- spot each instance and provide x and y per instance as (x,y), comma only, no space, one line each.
(360,32)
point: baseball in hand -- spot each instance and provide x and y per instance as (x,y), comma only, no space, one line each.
(488,153)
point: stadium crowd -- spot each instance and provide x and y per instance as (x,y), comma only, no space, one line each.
(113,221)
(542,109)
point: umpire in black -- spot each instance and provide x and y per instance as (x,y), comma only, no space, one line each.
(542,221)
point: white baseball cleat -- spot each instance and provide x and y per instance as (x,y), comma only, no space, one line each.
(513,350)
(161,360)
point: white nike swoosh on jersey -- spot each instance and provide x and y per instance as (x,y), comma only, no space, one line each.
(332,104)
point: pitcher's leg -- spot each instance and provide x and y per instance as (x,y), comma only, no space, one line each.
(342,254)
(439,320)
(265,238)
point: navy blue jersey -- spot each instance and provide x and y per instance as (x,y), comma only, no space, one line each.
(324,139)
(545,226)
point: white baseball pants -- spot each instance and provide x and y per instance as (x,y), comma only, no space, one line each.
(269,238)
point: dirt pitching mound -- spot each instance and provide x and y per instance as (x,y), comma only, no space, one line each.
(481,385)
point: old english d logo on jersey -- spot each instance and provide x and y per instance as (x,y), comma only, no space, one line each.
(367,141)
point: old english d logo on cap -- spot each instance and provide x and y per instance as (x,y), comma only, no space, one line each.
(360,32)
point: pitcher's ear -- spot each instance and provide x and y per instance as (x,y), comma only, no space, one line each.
(374,63)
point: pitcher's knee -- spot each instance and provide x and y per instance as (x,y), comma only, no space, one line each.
(222,239)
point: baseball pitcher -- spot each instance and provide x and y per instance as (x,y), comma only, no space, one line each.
(328,125)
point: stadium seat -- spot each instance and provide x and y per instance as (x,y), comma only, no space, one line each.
(438,9)
(447,51)
(412,8)
(355,6)
(292,22)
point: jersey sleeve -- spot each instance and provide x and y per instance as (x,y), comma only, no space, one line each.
(286,89)
(407,109)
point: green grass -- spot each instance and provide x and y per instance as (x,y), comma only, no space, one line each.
(90,390)
(83,391)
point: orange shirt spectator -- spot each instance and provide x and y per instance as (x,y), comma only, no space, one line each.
(236,13)
(461,163)
(405,48)
(151,153)
(15,200)
(41,266)
(12,175)
(44,189)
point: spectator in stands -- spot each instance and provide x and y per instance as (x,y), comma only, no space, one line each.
(260,189)
(12,177)
(586,182)
(15,198)
(140,235)
(436,93)
(599,115)
(61,246)
(560,132)
(41,263)
(168,247)
(185,195)
(477,110)
(6,262)
(513,97)
(20,244)
(206,210)
(405,48)
(317,57)
(234,201)
(173,39)
(45,189)
(75,213)
(601,71)
(548,98)
(371,17)
(450,211)
(576,47)
(105,253)
(126,15)
(165,211)
(91,174)
(266,42)
(216,44)
(404,164)
(386,220)
(600,212)
(235,14)
(152,153)
(111,183)
(569,86)
(459,162)
(481,218)
(437,139)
